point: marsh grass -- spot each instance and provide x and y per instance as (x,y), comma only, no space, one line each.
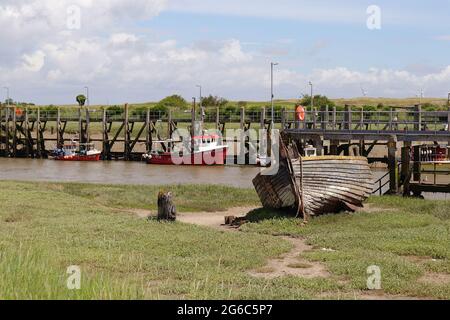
(388,238)
(46,227)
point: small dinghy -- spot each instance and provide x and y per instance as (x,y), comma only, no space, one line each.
(315,185)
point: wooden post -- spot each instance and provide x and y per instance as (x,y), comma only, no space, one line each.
(242,122)
(218,119)
(391,119)
(325,117)
(334,118)
(334,146)
(393,165)
(27,135)
(361,120)
(314,111)
(14,142)
(166,209)
(88,122)
(448,118)
(348,117)
(148,137)
(416,166)
(7,111)
(38,133)
(283,119)
(263,118)
(418,118)
(105,142)
(405,176)
(127,134)
(58,128)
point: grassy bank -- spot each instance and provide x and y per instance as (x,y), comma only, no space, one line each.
(46,227)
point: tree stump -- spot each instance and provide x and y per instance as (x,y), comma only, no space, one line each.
(166,209)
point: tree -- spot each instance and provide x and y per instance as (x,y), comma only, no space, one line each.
(173,101)
(319,101)
(81,99)
(214,101)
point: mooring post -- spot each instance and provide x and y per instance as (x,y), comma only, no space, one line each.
(14,143)
(58,128)
(7,110)
(148,136)
(405,176)
(393,165)
(27,136)
(417,175)
(127,134)
(105,142)
(38,133)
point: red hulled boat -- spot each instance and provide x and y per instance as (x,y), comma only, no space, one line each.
(208,150)
(77,152)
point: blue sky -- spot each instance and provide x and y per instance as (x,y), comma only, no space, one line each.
(142,50)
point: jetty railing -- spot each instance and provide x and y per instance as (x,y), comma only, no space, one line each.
(362,120)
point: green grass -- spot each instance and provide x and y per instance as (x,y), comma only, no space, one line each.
(387,237)
(46,227)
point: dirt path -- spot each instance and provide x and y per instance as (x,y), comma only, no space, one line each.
(292,264)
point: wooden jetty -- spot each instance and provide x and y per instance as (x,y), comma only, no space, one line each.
(127,135)
(315,185)
(31,132)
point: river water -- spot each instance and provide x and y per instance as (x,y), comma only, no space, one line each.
(123,172)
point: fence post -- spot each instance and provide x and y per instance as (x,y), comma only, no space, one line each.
(418,118)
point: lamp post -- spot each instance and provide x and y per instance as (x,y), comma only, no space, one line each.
(200,101)
(312,95)
(87,96)
(272,64)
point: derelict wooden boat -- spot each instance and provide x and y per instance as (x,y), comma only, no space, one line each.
(316,185)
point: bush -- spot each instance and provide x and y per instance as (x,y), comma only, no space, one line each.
(174,101)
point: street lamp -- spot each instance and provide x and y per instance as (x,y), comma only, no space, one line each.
(87,96)
(312,96)
(7,95)
(272,64)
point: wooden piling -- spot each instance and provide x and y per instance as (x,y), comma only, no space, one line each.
(14,141)
(393,165)
(127,150)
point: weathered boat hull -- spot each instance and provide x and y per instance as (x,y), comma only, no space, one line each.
(317,185)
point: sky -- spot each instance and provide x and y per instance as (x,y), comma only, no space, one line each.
(143,50)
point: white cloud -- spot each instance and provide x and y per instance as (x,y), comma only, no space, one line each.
(122,63)
(34,62)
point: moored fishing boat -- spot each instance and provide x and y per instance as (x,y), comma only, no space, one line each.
(76,152)
(315,185)
(205,150)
